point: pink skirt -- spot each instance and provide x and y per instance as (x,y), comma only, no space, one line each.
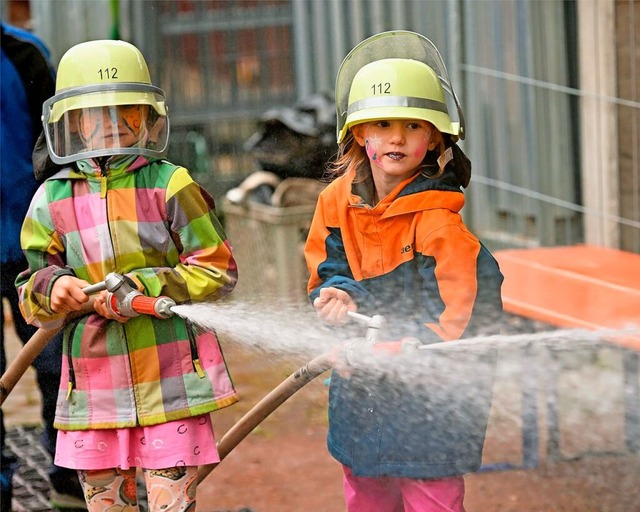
(186,442)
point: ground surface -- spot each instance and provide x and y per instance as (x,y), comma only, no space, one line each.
(283,466)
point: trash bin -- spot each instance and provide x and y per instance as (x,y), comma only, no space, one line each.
(268,244)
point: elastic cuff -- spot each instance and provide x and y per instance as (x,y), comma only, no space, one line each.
(64,271)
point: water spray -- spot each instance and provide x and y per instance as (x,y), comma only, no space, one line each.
(285,390)
(125,300)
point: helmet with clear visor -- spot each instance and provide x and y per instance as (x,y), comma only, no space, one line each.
(104,105)
(396,75)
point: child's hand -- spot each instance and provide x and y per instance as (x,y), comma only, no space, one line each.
(100,305)
(332,305)
(67,294)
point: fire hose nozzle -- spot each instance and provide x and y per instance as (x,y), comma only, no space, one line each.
(125,300)
(163,307)
(374,324)
(135,304)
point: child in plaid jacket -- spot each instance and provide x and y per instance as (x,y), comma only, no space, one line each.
(135,392)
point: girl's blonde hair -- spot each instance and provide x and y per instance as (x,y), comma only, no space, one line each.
(352,156)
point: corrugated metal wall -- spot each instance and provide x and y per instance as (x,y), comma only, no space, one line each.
(223,63)
(549,90)
(522,116)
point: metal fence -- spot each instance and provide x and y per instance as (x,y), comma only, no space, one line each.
(549,90)
(223,63)
(520,71)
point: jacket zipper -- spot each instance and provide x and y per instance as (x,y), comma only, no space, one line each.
(195,357)
(71,384)
(72,375)
(102,162)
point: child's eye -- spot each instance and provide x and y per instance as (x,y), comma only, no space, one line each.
(383,124)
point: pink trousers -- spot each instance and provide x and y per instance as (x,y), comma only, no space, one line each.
(388,494)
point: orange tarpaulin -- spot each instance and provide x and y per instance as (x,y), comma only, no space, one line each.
(582,286)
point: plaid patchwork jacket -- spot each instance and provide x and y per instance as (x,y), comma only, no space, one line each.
(150,221)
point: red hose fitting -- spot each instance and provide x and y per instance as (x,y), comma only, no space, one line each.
(160,307)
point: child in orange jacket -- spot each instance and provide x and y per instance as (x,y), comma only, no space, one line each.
(387,238)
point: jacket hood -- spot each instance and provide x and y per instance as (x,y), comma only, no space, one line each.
(418,193)
(43,166)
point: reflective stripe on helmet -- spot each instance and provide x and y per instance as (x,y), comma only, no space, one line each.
(396,101)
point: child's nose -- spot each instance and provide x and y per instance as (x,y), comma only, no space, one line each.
(397,133)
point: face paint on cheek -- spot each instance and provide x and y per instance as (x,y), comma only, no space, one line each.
(88,126)
(422,148)
(372,144)
(372,152)
(132,118)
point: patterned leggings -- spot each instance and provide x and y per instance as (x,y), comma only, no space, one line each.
(169,490)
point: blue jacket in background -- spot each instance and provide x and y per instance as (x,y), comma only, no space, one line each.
(23,93)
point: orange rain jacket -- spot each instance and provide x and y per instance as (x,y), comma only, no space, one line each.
(411,259)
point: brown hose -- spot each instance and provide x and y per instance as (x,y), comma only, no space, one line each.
(236,433)
(23,360)
(265,407)
(30,351)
